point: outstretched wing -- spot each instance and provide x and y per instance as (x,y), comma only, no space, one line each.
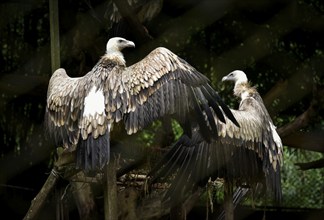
(65,97)
(75,117)
(249,154)
(162,84)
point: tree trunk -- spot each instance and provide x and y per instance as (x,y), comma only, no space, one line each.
(55,34)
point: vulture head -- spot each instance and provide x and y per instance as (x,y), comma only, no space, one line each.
(114,47)
(242,88)
(117,44)
(237,76)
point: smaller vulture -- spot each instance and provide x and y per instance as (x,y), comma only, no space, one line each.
(243,156)
(81,112)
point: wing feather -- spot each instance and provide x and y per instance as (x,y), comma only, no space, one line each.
(156,86)
(242,154)
(68,122)
(63,108)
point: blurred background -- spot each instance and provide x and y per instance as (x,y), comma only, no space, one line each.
(279,44)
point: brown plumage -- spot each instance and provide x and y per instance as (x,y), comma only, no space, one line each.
(81,111)
(245,155)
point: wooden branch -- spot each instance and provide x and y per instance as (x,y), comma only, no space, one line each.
(287,93)
(313,141)
(311,165)
(64,158)
(307,117)
(39,201)
(80,177)
(300,122)
(130,166)
(300,84)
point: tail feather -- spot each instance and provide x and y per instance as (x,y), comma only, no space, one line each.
(93,154)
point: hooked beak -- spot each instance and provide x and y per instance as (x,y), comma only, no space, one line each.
(130,44)
(228,77)
(224,79)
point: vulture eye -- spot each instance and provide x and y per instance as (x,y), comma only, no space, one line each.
(120,41)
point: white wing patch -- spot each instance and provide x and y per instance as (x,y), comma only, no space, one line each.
(94,103)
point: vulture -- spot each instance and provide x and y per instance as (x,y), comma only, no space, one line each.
(80,112)
(246,156)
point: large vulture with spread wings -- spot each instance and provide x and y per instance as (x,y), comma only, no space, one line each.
(243,156)
(80,112)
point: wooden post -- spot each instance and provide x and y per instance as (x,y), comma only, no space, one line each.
(110,190)
(228,200)
(55,34)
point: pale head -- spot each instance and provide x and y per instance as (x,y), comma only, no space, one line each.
(117,44)
(237,76)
